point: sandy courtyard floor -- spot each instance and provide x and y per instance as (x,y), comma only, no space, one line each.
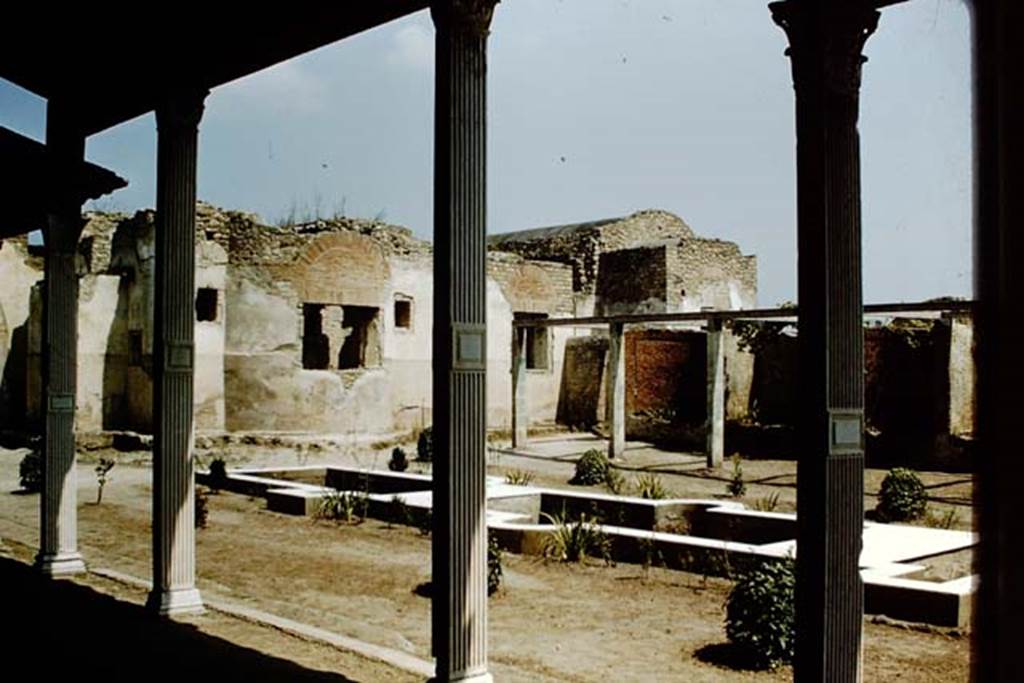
(551,622)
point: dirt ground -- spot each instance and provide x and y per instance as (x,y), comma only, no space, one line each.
(550,621)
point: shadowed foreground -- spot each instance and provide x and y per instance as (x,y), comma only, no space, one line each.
(69,629)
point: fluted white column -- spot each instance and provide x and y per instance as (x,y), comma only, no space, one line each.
(716,393)
(615,393)
(459,606)
(58,543)
(174,564)
(520,404)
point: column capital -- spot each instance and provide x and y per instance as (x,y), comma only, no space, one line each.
(470,17)
(826,42)
(180,109)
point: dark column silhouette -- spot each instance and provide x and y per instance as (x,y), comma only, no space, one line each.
(826,39)
(999,250)
(174,564)
(459,581)
(58,543)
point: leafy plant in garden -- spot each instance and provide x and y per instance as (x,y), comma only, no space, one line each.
(218,474)
(760,613)
(902,496)
(425,445)
(102,470)
(518,477)
(574,541)
(591,469)
(30,472)
(650,486)
(399,461)
(737,487)
(494,572)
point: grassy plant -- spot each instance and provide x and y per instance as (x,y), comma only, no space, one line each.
(30,472)
(343,506)
(737,487)
(947,520)
(760,613)
(102,470)
(614,482)
(649,486)
(201,512)
(767,503)
(518,477)
(591,469)
(574,541)
(902,496)
(399,461)
(494,571)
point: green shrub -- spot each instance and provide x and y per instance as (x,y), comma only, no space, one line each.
(344,506)
(494,572)
(902,496)
(425,445)
(649,486)
(760,614)
(614,481)
(31,472)
(737,487)
(200,508)
(575,541)
(399,461)
(591,468)
(218,474)
(518,477)
(400,511)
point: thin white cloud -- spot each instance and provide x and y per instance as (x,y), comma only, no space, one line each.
(412,47)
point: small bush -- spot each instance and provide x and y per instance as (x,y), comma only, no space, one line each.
(30,472)
(591,469)
(426,523)
(902,496)
(518,477)
(767,503)
(425,445)
(577,540)
(399,461)
(200,508)
(649,486)
(102,469)
(760,614)
(343,506)
(494,573)
(614,481)
(400,511)
(737,487)
(218,474)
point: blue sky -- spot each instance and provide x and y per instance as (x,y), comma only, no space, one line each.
(598,108)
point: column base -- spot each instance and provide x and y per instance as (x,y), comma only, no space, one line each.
(60,564)
(484,677)
(175,602)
